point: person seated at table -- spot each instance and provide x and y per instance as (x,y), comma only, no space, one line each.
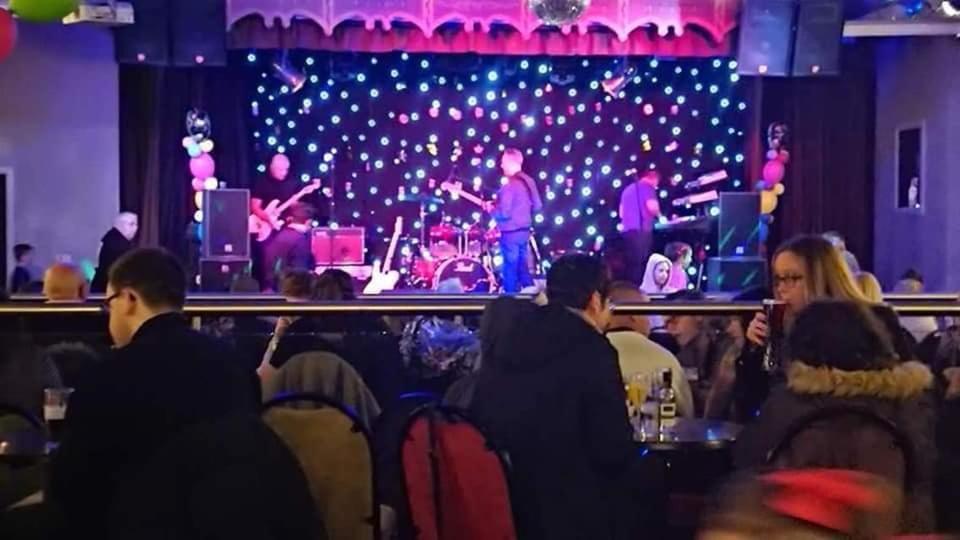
(695,337)
(640,356)
(63,282)
(841,355)
(162,377)
(556,404)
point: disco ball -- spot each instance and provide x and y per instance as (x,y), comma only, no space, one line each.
(559,12)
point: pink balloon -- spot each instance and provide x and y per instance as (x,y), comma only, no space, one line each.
(197,184)
(773,173)
(203,166)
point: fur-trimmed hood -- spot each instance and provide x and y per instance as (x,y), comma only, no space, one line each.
(905,381)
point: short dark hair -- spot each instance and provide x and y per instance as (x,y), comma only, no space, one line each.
(675,250)
(913,274)
(335,284)
(20,250)
(301,213)
(298,283)
(154,273)
(573,278)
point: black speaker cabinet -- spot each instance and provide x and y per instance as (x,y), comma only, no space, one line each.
(734,274)
(766,37)
(174,32)
(219,275)
(738,228)
(147,40)
(819,37)
(226,214)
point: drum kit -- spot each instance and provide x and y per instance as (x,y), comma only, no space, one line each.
(448,252)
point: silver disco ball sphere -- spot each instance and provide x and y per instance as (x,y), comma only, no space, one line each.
(559,12)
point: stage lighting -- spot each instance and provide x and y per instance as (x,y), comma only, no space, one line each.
(287,74)
(950,8)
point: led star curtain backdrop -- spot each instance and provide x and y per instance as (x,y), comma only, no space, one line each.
(381,129)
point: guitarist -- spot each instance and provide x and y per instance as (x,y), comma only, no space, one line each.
(517,202)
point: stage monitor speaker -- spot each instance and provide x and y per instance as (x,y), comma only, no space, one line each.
(734,274)
(738,228)
(219,275)
(147,40)
(819,37)
(343,245)
(226,218)
(766,37)
(199,30)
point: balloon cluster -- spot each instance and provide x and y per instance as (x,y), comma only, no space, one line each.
(198,145)
(771,186)
(38,11)
(559,12)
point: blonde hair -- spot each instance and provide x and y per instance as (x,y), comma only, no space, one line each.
(64,282)
(828,275)
(870,286)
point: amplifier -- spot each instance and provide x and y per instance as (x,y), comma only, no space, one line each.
(340,246)
(220,275)
(734,274)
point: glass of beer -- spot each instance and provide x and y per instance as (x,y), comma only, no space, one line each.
(55,402)
(775,310)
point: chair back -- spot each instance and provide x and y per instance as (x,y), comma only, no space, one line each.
(456,482)
(334,451)
(328,375)
(869,443)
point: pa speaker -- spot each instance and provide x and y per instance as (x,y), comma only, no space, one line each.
(766,37)
(199,29)
(738,228)
(147,40)
(226,214)
(733,274)
(819,36)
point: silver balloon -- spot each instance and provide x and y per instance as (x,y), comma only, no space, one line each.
(198,124)
(559,12)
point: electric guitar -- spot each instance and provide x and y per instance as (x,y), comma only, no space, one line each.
(456,188)
(262,228)
(383,278)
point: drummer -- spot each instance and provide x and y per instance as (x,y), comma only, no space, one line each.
(517,202)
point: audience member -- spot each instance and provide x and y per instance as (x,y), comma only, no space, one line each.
(23,273)
(64,282)
(697,348)
(556,404)
(842,355)
(640,356)
(733,387)
(114,244)
(681,254)
(919,327)
(162,378)
(870,287)
(656,278)
(840,243)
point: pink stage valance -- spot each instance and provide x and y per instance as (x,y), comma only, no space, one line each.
(667,27)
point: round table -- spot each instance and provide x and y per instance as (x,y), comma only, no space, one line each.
(691,434)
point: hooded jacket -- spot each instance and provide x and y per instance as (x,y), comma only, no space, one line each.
(897,394)
(649,284)
(556,406)
(112,246)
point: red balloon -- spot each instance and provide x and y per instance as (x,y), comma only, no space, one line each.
(8,34)
(773,173)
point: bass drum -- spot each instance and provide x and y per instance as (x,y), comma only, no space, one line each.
(472,273)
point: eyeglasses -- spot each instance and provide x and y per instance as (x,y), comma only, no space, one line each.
(789,280)
(105,306)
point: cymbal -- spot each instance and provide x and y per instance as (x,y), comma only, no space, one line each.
(421,198)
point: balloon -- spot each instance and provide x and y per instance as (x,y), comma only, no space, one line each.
(779,189)
(559,12)
(773,173)
(8,34)
(203,166)
(42,10)
(772,154)
(207,146)
(194,151)
(211,183)
(198,199)
(198,124)
(768,202)
(187,141)
(197,184)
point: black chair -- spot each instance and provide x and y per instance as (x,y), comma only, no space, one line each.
(849,419)
(336,455)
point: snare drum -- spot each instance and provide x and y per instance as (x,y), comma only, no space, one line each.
(473,275)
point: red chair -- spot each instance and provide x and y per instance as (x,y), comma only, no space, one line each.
(455,481)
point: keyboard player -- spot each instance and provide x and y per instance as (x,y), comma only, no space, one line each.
(639,211)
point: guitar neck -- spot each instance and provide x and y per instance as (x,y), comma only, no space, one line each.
(291,201)
(391,249)
(472,198)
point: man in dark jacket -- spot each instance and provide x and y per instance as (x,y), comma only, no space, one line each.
(117,241)
(556,405)
(290,248)
(162,378)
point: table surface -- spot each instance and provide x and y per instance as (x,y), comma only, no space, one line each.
(691,433)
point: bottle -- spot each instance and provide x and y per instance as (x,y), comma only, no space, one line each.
(666,402)
(648,411)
